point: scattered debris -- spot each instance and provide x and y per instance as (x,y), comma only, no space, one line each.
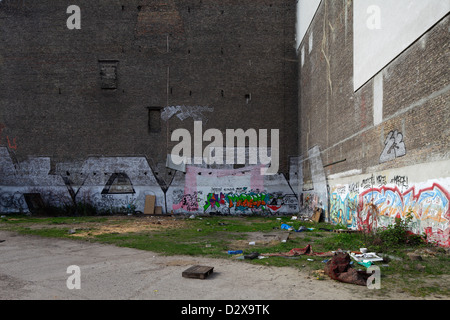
(2,241)
(317,214)
(365,259)
(235,251)
(287,227)
(302,229)
(252,256)
(300,251)
(198,272)
(284,237)
(345,231)
(340,269)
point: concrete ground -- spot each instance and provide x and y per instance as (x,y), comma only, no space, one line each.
(32,267)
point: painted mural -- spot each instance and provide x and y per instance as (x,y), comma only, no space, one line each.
(231,191)
(376,202)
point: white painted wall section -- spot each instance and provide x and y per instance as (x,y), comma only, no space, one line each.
(306,9)
(383,29)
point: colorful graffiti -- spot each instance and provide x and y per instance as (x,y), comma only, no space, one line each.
(239,201)
(242,202)
(343,210)
(379,207)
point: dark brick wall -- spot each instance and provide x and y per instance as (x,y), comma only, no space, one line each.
(167,53)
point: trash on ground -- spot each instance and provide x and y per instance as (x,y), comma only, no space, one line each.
(251,256)
(317,214)
(287,227)
(235,251)
(294,218)
(251,243)
(366,257)
(197,272)
(310,259)
(340,269)
(284,237)
(366,264)
(300,251)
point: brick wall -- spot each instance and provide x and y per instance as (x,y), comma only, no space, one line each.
(212,54)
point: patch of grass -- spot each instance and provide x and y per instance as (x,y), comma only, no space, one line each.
(214,236)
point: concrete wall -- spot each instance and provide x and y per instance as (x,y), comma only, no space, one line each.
(389,138)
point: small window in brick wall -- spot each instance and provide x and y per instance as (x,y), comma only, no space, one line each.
(108,74)
(154,119)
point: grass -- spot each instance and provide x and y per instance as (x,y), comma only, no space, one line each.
(214,236)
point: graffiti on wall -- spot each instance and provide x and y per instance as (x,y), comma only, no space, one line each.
(368,208)
(429,207)
(187,202)
(12,201)
(235,200)
(394,147)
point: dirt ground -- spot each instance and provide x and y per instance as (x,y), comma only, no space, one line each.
(33,267)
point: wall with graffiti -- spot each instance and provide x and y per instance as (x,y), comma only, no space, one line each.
(110,184)
(376,200)
(230,191)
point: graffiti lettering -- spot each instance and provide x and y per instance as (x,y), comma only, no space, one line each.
(394,147)
(400,181)
(188,202)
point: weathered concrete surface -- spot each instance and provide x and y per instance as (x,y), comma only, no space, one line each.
(36,268)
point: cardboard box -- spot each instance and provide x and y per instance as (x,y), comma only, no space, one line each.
(149,204)
(158,210)
(316,216)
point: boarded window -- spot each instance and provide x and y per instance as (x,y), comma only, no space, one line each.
(108,74)
(154,119)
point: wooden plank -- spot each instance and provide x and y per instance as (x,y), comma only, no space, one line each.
(197,272)
(149,204)
(316,216)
